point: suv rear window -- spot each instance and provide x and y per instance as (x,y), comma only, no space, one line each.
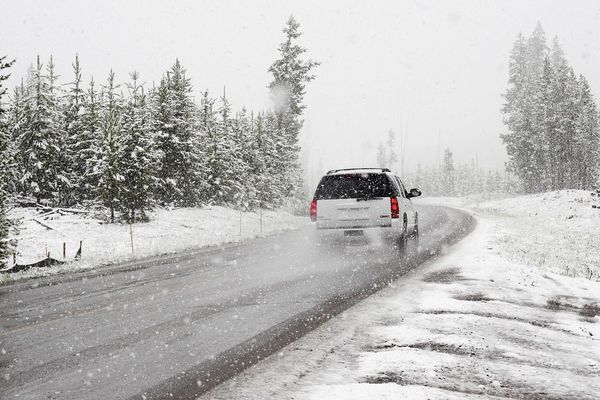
(353,186)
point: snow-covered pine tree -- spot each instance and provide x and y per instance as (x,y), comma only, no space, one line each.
(281,153)
(161,116)
(105,164)
(189,163)
(536,51)
(6,176)
(206,139)
(8,118)
(381,156)
(137,156)
(586,141)
(544,117)
(290,74)
(526,141)
(61,162)
(564,96)
(390,145)
(263,174)
(40,137)
(245,155)
(516,120)
(386,155)
(223,184)
(175,123)
(543,134)
(14,123)
(448,175)
(77,143)
(92,136)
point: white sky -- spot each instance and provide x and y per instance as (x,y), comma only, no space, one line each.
(430,68)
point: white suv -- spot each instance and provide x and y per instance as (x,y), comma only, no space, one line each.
(353,201)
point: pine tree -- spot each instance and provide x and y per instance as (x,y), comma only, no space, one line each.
(221,158)
(586,141)
(137,156)
(175,123)
(448,173)
(545,118)
(381,156)
(245,158)
(58,152)
(290,74)
(92,145)
(105,165)
(516,120)
(77,143)
(390,145)
(525,141)
(14,125)
(40,137)
(543,135)
(161,116)
(7,173)
(263,171)
(563,109)
(282,170)
(536,51)
(6,225)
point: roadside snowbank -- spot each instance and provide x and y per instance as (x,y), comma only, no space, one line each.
(168,231)
(471,325)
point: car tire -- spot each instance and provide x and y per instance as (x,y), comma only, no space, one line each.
(415,235)
(415,231)
(403,240)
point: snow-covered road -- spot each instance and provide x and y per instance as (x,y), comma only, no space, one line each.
(472,324)
(181,324)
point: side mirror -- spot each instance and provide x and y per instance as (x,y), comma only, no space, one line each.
(414,193)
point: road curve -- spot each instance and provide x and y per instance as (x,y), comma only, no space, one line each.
(176,326)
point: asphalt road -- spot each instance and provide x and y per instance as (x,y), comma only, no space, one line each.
(176,326)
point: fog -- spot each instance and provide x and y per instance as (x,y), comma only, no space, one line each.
(433,71)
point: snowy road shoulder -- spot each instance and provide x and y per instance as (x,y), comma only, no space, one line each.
(168,231)
(469,325)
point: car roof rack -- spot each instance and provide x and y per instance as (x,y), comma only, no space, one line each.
(333,171)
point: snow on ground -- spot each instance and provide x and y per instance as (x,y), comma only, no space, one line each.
(473,324)
(556,231)
(168,231)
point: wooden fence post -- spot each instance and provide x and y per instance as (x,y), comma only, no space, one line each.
(131,237)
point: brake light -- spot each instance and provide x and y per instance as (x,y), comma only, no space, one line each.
(313,210)
(394,207)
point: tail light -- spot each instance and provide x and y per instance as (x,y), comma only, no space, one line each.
(394,207)
(313,210)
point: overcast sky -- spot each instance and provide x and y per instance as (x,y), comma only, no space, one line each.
(434,70)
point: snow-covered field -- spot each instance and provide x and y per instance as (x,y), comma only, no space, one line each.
(557,231)
(484,321)
(168,231)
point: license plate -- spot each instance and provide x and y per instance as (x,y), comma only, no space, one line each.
(353,233)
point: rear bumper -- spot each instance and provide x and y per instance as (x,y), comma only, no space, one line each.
(346,227)
(385,232)
(356,224)
(383,224)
